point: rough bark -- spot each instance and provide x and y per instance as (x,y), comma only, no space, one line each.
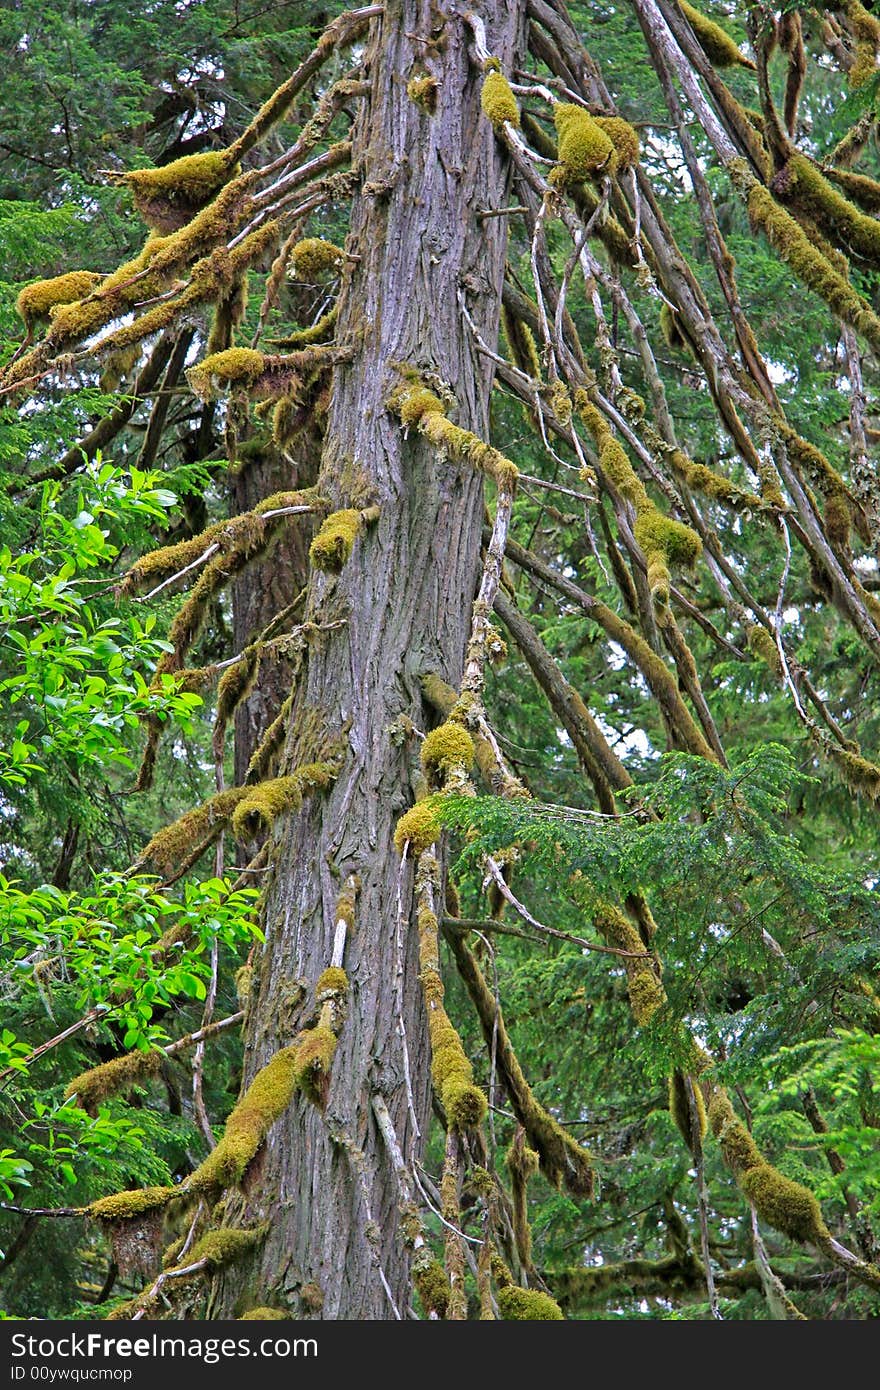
(406,595)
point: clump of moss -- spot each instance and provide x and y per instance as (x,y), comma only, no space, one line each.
(527,1305)
(785,1205)
(331,549)
(265,1101)
(807,262)
(807,187)
(717,45)
(761,643)
(861,775)
(521,343)
(680,1110)
(264,1315)
(646,993)
(169,197)
(445,748)
(433,1287)
(333,980)
(422,90)
(261,805)
(171,1255)
(315,1049)
(125,1206)
(419,827)
(672,334)
(234,367)
(171,846)
(624,138)
(498,102)
(35,301)
(522,1164)
(114,1078)
(866,31)
(312,257)
(220,1248)
(418,406)
(560,401)
(312,1296)
(244,978)
(584,148)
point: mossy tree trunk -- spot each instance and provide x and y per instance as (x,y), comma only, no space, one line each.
(404,600)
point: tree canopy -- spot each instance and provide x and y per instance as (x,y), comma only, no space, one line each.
(439,640)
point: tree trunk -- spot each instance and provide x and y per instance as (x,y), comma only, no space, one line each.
(323,1180)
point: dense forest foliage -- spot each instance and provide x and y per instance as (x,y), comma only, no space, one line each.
(439,642)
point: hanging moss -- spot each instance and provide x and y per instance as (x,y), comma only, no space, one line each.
(522,1164)
(785,1205)
(624,138)
(679,544)
(422,90)
(420,827)
(527,1305)
(445,748)
(866,31)
(114,1078)
(646,993)
(562,1158)
(704,479)
(560,401)
(125,1206)
(584,148)
(234,367)
(224,1247)
(432,1286)
(331,549)
(673,336)
(680,1110)
(807,187)
(761,642)
(169,197)
(861,775)
(717,45)
(265,1315)
(35,301)
(264,1102)
(312,257)
(314,1049)
(171,846)
(808,263)
(261,805)
(859,188)
(318,332)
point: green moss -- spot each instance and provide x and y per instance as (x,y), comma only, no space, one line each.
(314,1049)
(235,366)
(866,30)
(807,262)
(646,993)
(807,187)
(124,1206)
(114,1078)
(224,1247)
(169,197)
(331,549)
(624,138)
(265,1315)
(447,747)
(333,980)
(313,256)
(761,642)
(419,827)
(498,102)
(672,334)
(680,1110)
(527,1305)
(584,148)
(785,1205)
(264,1102)
(560,401)
(422,90)
(261,805)
(171,847)
(35,301)
(717,45)
(861,775)
(171,1254)
(432,1286)
(244,978)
